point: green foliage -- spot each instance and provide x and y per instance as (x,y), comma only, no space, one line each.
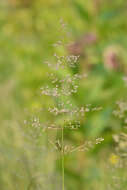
(26,39)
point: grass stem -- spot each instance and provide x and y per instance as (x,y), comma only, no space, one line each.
(62,158)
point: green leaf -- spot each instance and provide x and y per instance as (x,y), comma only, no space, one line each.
(83,13)
(109,15)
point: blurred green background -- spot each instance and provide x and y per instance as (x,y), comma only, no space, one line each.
(28,28)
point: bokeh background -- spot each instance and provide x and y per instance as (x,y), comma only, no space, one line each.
(28,30)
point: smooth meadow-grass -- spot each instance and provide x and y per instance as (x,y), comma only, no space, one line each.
(61,115)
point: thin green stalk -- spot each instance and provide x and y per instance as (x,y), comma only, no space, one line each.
(62,158)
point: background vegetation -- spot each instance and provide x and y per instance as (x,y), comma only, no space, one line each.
(28,30)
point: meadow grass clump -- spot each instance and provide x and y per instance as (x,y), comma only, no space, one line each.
(117,162)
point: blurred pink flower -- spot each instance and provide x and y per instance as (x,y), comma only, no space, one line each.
(76,48)
(111,60)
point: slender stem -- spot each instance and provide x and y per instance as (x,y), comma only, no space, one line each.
(62,158)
